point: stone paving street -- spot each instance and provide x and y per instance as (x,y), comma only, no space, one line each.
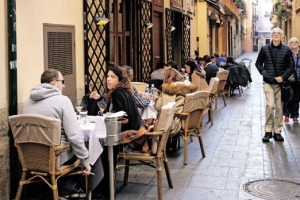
(235,155)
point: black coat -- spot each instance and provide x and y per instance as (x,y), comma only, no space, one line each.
(122,100)
(282,57)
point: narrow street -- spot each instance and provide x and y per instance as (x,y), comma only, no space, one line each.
(236,159)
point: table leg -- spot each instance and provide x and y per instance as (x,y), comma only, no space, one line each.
(111,172)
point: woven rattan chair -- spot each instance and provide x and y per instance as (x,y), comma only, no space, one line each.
(37,139)
(196,104)
(212,89)
(222,75)
(157,155)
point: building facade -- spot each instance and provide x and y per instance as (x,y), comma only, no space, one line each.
(73,38)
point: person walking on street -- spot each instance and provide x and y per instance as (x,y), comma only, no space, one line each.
(275,64)
(291,108)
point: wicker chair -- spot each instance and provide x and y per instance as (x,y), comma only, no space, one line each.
(37,139)
(196,104)
(212,89)
(157,155)
(222,75)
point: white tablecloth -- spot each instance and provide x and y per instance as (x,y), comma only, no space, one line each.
(93,132)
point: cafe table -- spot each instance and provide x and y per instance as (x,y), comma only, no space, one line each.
(94,131)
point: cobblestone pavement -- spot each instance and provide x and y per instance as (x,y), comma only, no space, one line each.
(235,155)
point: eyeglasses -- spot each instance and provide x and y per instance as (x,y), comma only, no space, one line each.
(276,33)
(62,81)
(294,42)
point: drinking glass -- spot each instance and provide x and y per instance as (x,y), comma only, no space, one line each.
(83,116)
(78,106)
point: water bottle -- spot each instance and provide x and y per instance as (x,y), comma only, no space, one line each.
(152,89)
(147,90)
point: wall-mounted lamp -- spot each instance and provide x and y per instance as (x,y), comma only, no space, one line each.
(172,28)
(101,20)
(149,25)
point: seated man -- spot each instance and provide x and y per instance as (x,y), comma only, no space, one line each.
(46,99)
(142,103)
(210,68)
(159,72)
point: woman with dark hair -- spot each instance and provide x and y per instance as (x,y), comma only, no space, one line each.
(119,97)
(190,67)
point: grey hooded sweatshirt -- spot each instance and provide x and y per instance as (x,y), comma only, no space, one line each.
(47,100)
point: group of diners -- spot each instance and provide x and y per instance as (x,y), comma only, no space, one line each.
(120,95)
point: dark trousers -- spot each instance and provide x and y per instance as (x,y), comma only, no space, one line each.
(291,107)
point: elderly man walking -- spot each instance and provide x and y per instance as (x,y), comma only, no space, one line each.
(275,64)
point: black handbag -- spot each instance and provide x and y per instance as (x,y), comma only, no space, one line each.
(285,86)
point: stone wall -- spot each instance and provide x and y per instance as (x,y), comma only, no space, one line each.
(4,155)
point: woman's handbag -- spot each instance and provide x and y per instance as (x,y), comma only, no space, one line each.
(285,91)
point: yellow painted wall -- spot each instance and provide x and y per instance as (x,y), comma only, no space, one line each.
(296,20)
(201,24)
(3,55)
(30,18)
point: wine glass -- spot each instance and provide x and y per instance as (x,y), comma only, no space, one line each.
(79,106)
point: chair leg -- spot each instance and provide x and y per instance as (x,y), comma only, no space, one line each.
(223,95)
(87,192)
(216,101)
(201,143)
(54,187)
(20,188)
(167,169)
(211,117)
(125,181)
(159,178)
(178,141)
(185,139)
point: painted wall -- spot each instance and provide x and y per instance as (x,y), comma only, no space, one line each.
(201,24)
(30,18)
(4,139)
(3,54)
(249,41)
(296,20)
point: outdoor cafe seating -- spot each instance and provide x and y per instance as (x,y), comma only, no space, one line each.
(157,155)
(195,105)
(37,139)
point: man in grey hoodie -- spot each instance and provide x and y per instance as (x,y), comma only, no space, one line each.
(46,99)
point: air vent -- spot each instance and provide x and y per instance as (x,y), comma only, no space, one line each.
(60,49)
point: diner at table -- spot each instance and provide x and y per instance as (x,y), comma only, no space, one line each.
(119,97)
(174,89)
(46,99)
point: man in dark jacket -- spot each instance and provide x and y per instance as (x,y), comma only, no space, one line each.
(272,78)
(210,68)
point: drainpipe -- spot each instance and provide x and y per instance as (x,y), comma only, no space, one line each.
(12,88)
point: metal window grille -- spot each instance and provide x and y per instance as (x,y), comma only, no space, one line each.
(146,40)
(186,39)
(96,45)
(169,35)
